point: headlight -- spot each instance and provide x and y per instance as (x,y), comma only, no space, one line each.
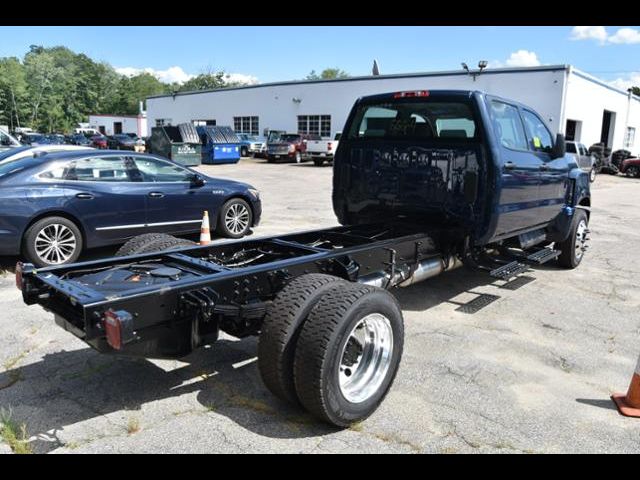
(255,193)
(292,148)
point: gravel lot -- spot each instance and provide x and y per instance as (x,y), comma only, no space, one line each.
(532,372)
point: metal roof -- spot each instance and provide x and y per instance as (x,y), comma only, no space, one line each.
(490,71)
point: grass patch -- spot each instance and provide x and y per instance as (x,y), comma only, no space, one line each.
(133,425)
(13,434)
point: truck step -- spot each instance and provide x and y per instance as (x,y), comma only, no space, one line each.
(508,271)
(543,256)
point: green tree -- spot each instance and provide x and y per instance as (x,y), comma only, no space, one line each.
(131,90)
(13,91)
(327,74)
(204,81)
(635,91)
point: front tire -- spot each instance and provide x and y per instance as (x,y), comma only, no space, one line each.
(592,175)
(633,171)
(348,353)
(318,162)
(235,219)
(573,248)
(244,152)
(53,241)
(298,157)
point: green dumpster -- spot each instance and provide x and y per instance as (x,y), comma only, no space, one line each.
(180,144)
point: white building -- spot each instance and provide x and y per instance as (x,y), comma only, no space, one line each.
(114,124)
(583,107)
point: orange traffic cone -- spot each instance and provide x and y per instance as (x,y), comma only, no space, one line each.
(629,405)
(205,230)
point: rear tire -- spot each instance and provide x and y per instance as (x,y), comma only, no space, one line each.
(318,162)
(348,353)
(298,157)
(244,152)
(281,328)
(69,242)
(571,250)
(152,242)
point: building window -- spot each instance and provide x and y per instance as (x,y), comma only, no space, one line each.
(163,122)
(203,123)
(629,137)
(248,125)
(314,125)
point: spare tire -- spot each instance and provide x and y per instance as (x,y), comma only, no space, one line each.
(152,242)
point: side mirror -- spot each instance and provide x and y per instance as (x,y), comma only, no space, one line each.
(559,147)
(197,181)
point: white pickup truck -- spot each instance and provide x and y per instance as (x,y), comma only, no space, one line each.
(321,151)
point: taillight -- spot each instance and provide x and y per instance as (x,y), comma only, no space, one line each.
(19,271)
(414,93)
(118,328)
(329,146)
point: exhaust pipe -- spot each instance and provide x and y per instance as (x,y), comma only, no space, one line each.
(426,269)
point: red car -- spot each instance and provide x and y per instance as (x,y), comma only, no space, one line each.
(99,141)
(288,147)
(631,167)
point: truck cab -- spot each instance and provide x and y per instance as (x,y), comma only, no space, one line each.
(488,165)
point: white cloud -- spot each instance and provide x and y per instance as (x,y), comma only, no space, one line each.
(589,33)
(177,74)
(520,58)
(625,35)
(523,58)
(170,75)
(631,80)
(241,78)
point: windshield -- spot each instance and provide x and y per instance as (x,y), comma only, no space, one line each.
(35,137)
(451,120)
(290,138)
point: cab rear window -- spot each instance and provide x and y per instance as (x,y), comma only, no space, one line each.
(423,120)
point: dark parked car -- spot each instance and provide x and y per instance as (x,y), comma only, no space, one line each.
(289,147)
(79,139)
(34,139)
(55,138)
(121,141)
(54,207)
(99,141)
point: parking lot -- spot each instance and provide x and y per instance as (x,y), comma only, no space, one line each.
(532,372)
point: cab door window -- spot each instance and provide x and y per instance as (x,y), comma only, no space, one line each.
(538,135)
(508,126)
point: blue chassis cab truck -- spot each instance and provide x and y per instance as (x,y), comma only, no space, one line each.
(423,181)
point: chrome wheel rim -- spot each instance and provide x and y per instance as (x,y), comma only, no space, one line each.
(298,157)
(366,358)
(581,239)
(592,176)
(55,244)
(237,218)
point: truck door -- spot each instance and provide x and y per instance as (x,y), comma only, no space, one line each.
(520,170)
(553,172)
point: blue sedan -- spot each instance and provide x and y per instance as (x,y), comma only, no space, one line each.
(54,206)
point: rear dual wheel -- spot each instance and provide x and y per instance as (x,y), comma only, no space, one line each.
(336,348)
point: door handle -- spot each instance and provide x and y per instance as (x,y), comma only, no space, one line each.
(84,196)
(509,165)
(156,194)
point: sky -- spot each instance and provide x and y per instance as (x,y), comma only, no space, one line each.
(268,54)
